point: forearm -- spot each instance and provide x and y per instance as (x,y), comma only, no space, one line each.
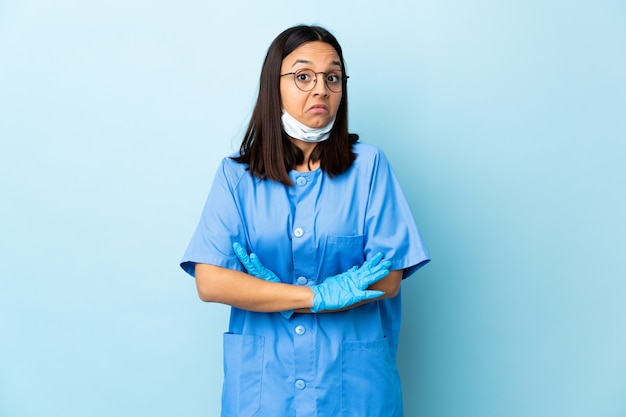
(238,289)
(390,285)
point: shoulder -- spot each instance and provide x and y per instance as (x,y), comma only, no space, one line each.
(232,171)
(367,151)
(368,155)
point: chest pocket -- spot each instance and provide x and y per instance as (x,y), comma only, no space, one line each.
(340,254)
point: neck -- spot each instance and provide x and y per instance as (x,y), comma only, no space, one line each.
(307,150)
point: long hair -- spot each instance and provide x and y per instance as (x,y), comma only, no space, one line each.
(265,147)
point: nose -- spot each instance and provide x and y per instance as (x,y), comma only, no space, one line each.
(320,87)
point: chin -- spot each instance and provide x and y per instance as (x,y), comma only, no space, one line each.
(318,123)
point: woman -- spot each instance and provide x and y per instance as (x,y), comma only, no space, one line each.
(315,310)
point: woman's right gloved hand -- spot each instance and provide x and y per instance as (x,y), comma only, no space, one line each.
(350,287)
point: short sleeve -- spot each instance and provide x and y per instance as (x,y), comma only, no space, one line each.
(220,224)
(390,226)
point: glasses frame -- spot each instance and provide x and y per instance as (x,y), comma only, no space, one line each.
(344,78)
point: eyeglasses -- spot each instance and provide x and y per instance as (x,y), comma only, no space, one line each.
(305,79)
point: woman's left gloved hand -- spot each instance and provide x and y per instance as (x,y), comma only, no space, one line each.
(253,265)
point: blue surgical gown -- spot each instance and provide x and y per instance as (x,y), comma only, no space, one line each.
(327,364)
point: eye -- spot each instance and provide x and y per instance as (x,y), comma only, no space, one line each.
(305,76)
(333,78)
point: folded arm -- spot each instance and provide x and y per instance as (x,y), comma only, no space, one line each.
(268,294)
(244,291)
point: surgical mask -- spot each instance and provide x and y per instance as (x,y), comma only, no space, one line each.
(297,130)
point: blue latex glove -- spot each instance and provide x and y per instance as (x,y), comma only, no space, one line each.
(350,287)
(253,265)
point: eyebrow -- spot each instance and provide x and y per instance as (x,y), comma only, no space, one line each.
(304,61)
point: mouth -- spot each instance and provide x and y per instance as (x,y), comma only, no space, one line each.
(318,109)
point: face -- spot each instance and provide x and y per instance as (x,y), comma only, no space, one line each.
(318,107)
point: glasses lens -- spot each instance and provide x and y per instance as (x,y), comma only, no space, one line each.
(305,80)
(333,81)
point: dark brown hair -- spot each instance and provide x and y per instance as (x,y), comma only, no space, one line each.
(266,149)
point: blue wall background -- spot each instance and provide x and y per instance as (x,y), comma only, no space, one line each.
(505,122)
